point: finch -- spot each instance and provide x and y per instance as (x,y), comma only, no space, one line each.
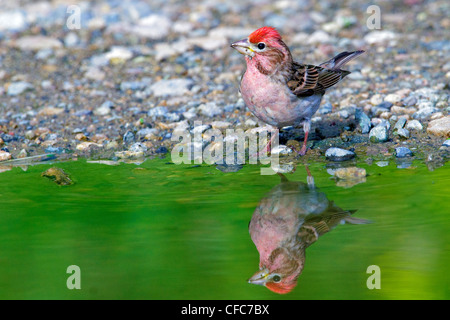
(286,222)
(280,91)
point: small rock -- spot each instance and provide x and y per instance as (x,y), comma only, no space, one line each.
(22,154)
(4,155)
(118,54)
(409,101)
(128,137)
(137,147)
(385,105)
(210,109)
(414,125)
(379,134)
(350,173)
(400,124)
(281,150)
(104,109)
(19,87)
(363,121)
(94,73)
(50,111)
(36,43)
(376,99)
(58,175)
(172,87)
(440,127)
(446,143)
(338,154)
(402,152)
(379,36)
(392,98)
(403,133)
(84,146)
(158,112)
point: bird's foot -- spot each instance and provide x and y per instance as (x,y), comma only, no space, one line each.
(302,151)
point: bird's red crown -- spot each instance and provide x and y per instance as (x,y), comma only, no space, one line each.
(264,34)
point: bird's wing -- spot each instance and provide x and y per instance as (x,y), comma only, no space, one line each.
(307,80)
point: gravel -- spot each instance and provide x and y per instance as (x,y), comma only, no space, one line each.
(138,71)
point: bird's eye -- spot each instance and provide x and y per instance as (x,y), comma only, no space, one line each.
(261,45)
(276,278)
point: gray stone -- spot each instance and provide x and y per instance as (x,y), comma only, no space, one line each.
(403,133)
(403,152)
(158,112)
(379,134)
(19,87)
(128,137)
(338,154)
(414,125)
(363,121)
(400,124)
(172,87)
(409,101)
(137,147)
(104,109)
(425,113)
(210,109)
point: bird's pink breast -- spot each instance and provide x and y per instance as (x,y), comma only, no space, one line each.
(271,100)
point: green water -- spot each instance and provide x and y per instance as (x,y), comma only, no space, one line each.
(163,231)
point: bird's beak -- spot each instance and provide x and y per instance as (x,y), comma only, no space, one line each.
(260,277)
(244,47)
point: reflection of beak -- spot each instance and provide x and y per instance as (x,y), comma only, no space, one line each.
(260,277)
(243,46)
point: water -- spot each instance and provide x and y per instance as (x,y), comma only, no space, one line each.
(162,231)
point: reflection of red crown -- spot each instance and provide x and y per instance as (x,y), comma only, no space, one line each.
(281,288)
(264,34)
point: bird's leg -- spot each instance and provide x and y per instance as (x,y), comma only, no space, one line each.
(310,178)
(306,128)
(266,149)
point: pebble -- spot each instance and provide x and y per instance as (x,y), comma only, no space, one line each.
(440,127)
(400,124)
(392,98)
(376,37)
(17,88)
(363,121)
(350,173)
(403,133)
(379,134)
(58,175)
(402,152)
(172,87)
(338,154)
(128,137)
(4,155)
(409,101)
(414,125)
(210,109)
(50,111)
(36,43)
(12,20)
(84,146)
(104,109)
(446,143)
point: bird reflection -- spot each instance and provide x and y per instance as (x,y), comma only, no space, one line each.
(286,222)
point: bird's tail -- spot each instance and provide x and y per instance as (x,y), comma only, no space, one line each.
(342,58)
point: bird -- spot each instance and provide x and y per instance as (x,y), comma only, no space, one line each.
(290,218)
(280,91)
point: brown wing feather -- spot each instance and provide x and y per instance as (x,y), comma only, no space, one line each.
(307,80)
